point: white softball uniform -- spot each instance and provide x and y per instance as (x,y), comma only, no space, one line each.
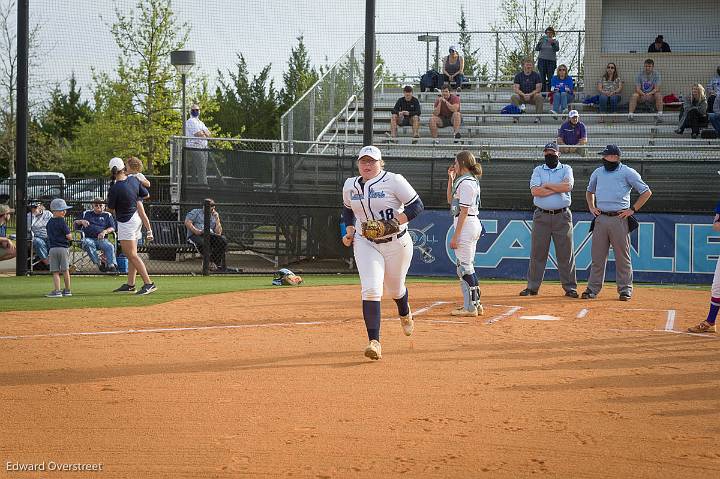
(387,259)
(467,194)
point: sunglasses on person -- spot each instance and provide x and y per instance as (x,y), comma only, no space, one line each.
(562,69)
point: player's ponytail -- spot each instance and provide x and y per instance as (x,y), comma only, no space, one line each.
(467,160)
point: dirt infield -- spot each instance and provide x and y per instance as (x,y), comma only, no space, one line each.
(274,384)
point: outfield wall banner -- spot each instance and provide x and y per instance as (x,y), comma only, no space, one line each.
(666,248)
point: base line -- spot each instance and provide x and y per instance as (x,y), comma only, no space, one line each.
(509,312)
(208,328)
(670,323)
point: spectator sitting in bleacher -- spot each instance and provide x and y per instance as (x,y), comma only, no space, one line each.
(693,114)
(714,118)
(647,90)
(610,86)
(526,86)
(195,223)
(563,88)
(37,227)
(572,132)
(446,112)
(659,46)
(406,112)
(713,90)
(7,247)
(548,46)
(96,224)
(454,68)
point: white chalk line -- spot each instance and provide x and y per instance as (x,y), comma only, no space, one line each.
(583,312)
(670,322)
(703,335)
(506,314)
(209,328)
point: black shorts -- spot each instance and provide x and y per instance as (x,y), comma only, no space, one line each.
(403,120)
(446,121)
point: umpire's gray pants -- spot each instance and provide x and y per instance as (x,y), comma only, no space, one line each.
(559,228)
(611,231)
(198,165)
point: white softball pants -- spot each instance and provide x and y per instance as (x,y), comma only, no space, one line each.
(384,264)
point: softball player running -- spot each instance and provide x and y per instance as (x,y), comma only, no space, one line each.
(708,326)
(463,194)
(377,205)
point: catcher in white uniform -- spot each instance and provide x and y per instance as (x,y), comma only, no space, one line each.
(463,194)
(377,205)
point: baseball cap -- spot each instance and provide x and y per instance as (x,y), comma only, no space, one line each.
(453,48)
(551,146)
(610,150)
(58,204)
(407,88)
(117,163)
(573,114)
(34,202)
(5,209)
(371,151)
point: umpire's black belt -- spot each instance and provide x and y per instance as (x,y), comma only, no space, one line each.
(389,239)
(459,215)
(610,213)
(553,212)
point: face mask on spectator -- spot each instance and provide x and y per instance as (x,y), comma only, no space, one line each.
(610,165)
(551,160)
(195,113)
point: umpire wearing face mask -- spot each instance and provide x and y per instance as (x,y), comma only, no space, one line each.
(608,199)
(550,186)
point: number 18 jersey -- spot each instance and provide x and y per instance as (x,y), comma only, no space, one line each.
(381,198)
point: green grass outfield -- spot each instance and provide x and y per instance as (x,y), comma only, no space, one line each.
(28,293)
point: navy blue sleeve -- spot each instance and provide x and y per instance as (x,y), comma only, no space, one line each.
(65,228)
(717,208)
(143,191)
(111,199)
(348,217)
(414,209)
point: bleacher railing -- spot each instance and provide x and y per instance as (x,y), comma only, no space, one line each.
(325,99)
(494,54)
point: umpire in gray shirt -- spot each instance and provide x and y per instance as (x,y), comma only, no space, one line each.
(608,199)
(550,185)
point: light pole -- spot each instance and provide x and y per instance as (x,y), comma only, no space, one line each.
(427,39)
(183,61)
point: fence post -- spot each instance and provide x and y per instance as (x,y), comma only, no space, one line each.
(312,115)
(290,129)
(497,56)
(206,238)
(580,61)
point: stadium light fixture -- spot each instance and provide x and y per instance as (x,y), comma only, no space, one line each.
(183,61)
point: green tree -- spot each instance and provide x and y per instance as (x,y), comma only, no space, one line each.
(299,77)
(66,112)
(146,36)
(113,130)
(247,106)
(465,43)
(527,19)
(8,82)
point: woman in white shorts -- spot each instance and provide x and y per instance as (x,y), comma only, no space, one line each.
(463,194)
(125,199)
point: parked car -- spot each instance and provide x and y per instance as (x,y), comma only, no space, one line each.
(44,185)
(89,188)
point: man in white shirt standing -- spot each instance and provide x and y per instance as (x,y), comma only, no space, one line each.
(197,153)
